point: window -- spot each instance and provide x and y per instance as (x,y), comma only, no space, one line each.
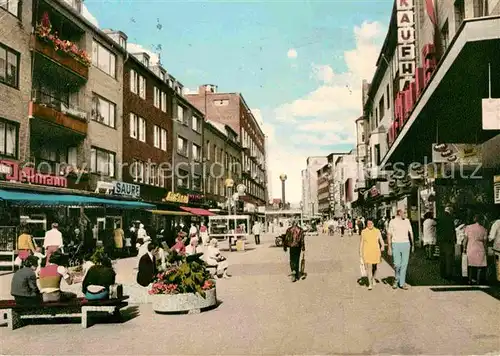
(215,153)
(156,97)
(11,6)
(381,108)
(183,178)
(9,66)
(103,111)
(164,140)
(142,130)
(223,102)
(102,162)
(134,122)
(8,139)
(196,152)
(377,154)
(153,174)
(195,123)
(480,8)
(182,146)
(137,84)
(122,42)
(207,150)
(196,183)
(138,172)
(157,136)
(163,101)
(216,186)
(162,176)
(72,156)
(162,75)
(145,61)
(103,59)
(209,185)
(180,113)
(388,97)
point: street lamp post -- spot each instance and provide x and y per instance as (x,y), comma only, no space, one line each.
(229,183)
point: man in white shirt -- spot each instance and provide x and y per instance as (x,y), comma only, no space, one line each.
(400,242)
(495,235)
(53,241)
(256,232)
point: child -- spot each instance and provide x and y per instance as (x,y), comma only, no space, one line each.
(41,257)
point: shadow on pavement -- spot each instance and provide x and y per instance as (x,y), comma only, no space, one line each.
(425,272)
(218,304)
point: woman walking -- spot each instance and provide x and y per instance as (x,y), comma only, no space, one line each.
(370,247)
(475,248)
(429,238)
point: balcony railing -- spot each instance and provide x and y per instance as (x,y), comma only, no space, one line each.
(53,109)
(51,101)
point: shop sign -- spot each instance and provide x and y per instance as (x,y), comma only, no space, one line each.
(176,198)
(15,173)
(406,42)
(463,154)
(126,189)
(491,114)
(103,187)
(496,188)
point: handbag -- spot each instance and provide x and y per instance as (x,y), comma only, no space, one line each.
(362,268)
(465,265)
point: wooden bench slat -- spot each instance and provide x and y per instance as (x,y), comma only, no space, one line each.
(78,302)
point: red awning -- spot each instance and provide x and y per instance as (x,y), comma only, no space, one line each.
(197,211)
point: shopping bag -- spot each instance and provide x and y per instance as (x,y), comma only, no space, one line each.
(465,264)
(362,268)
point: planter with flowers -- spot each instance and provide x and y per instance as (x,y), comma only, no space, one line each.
(185,285)
(62,51)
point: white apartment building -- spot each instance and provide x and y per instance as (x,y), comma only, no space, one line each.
(345,174)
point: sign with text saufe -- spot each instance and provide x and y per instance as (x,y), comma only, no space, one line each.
(176,198)
(127,189)
(406,42)
(13,172)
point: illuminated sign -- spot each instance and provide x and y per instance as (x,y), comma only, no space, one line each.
(406,42)
(176,198)
(13,172)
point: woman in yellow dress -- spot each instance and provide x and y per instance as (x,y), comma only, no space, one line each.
(370,247)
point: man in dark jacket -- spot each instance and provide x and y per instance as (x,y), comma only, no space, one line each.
(294,239)
(23,286)
(147,266)
(446,239)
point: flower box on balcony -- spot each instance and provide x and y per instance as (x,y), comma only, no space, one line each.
(47,49)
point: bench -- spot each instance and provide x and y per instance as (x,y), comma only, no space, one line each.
(75,308)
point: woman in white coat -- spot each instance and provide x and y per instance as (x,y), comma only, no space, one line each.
(429,234)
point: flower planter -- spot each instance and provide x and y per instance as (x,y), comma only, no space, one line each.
(66,60)
(190,302)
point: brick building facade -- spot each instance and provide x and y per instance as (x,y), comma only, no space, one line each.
(231,109)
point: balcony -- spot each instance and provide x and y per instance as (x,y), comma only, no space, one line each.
(52,109)
(63,58)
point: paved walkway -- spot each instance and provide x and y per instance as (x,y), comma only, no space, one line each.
(262,312)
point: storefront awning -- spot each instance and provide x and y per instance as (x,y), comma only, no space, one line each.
(19,198)
(197,211)
(169,212)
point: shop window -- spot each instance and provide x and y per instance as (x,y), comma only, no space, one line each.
(8,138)
(102,162)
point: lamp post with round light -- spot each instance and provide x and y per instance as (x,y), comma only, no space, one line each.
(229,183)
(283,178)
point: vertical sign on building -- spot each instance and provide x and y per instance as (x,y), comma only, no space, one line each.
(406,42)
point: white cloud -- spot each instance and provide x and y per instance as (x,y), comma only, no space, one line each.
(137,48)
(323,73)
(325,116)
(292,53)
(86,13)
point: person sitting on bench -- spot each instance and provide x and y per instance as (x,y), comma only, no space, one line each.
(215,259)
(50,279)
(98,279)
(23,286)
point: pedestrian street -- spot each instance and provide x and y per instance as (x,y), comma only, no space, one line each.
(262,312)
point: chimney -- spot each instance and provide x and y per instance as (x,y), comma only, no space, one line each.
(207,88)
